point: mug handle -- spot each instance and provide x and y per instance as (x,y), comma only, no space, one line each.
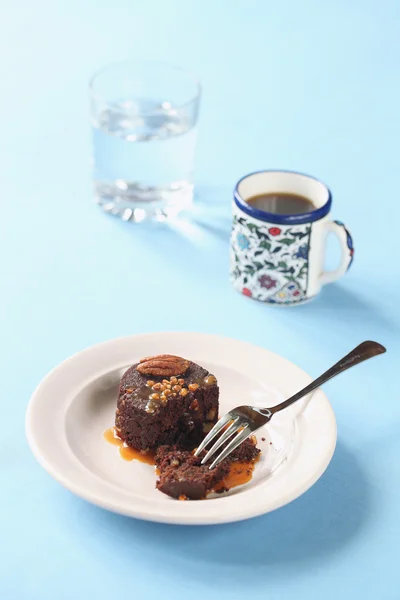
(346,243)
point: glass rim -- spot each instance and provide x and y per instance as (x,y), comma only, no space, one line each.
(196,95)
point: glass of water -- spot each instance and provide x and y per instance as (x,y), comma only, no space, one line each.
(144,117)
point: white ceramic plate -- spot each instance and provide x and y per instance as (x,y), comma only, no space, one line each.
(75,404)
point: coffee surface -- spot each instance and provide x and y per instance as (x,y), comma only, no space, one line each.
(281,203)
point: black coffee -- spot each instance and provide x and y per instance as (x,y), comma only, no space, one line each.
(281,203)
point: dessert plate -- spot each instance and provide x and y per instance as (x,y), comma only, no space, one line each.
(75,403)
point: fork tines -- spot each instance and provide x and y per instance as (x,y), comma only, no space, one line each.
(235,425)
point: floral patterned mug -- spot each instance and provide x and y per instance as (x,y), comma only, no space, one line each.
(279,258)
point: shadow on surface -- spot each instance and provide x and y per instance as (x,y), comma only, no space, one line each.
(312,528)
(339,304)
(335,296)
(198,242)
(211,214)
(219,229)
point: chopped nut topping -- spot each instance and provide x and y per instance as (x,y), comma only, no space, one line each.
(177,388)
(184,392)
(157,387)
(211,414)
(173,380)
(174,462)
(194,405)
(165,381)
(207,427)
(129,390)
(167,392)
(193,387)
(155,396)
(181,381)
(150,383)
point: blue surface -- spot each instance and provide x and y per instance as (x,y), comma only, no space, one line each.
(310,86)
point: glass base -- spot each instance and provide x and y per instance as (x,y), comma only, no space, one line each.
(137,203)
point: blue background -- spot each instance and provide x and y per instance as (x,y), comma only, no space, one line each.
(311,86)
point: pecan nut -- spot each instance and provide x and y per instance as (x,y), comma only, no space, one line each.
(163,365)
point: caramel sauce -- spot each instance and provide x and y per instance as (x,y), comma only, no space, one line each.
(144,392)
(126,452)
(239,474)
(206,381)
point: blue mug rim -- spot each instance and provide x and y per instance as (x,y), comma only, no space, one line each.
(261,215)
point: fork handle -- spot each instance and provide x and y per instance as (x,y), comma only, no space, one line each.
(362,352)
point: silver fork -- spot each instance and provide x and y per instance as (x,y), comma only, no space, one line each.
(244,420)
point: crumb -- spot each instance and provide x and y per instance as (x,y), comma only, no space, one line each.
(263,439)
(270,443)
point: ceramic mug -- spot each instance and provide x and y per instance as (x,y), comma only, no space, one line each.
(279,258)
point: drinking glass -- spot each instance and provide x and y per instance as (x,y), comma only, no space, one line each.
(144,117)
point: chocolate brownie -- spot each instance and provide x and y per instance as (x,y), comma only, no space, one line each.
(183,476)
(166,400)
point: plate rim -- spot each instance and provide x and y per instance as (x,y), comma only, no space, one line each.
(183,519)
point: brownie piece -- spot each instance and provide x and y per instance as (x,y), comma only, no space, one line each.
(181,475)
(166,400)
(247,452)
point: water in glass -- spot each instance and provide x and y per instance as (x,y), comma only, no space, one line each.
(143,158)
